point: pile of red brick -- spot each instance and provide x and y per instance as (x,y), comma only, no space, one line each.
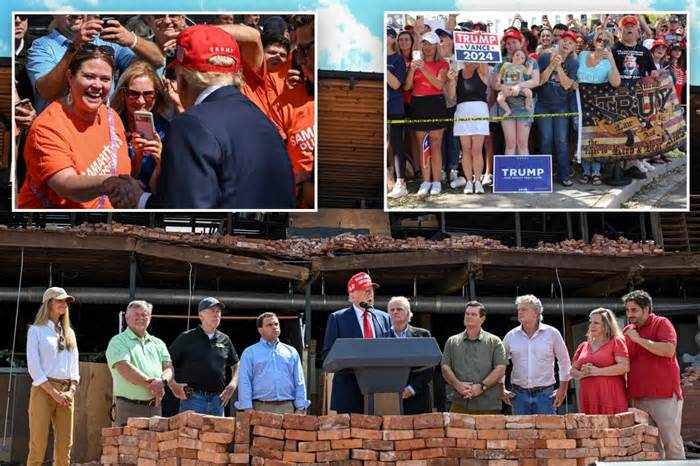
(443,439)
(690,380)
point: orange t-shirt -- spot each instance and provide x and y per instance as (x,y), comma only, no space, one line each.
(260,87)
(293,114)
(59,139)
(278,77)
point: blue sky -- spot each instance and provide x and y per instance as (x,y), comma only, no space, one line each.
(350,32)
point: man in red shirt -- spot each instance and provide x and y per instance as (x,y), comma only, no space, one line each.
(653,382)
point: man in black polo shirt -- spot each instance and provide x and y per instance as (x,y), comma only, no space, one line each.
(200,357)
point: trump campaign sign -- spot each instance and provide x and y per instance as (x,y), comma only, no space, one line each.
(480,47)
(522,174)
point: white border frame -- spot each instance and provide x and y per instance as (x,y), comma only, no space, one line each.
(15,189)
(536,209)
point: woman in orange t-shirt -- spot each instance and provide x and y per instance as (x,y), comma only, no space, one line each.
(76,149)
(425,78)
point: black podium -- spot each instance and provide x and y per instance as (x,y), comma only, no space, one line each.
(382,366)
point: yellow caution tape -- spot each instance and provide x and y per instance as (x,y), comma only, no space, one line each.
(490,118)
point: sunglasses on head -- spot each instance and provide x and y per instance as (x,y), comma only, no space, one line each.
(89,47)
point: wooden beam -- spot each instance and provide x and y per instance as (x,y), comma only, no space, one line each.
(611,285)
(62,240)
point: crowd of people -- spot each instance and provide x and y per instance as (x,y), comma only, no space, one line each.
(441,111)
(615,369)
(165,112)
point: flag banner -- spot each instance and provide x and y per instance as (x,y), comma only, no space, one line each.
(637,120)
(426,150)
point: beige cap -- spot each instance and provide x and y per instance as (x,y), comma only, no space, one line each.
(57,293)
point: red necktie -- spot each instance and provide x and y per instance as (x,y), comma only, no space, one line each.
(367,326)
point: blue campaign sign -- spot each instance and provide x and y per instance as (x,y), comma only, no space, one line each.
(522,174)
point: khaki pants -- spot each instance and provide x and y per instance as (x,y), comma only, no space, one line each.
(457,408)
(667,414)
(42,411)
(125,409)
(274,407)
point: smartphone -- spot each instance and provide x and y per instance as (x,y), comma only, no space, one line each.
(23,103)
(584,19)
(143,121)
(105,20)
(416,55)
(523,26)
(569,17)
(544,18)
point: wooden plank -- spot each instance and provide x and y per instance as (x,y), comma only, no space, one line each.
(63,240)
(222,260)
(93,401)
(610,285)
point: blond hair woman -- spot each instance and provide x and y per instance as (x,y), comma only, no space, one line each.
(600,365)
(52,360)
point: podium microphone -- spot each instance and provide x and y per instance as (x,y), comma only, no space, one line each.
(368,308)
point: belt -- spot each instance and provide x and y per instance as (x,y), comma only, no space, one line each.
(64,385)
(136,402)
(277,402)
(205,393)
(533,389)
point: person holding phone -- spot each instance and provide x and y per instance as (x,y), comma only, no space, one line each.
(140,90)
(50,56)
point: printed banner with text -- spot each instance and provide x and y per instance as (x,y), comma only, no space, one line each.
(634,121)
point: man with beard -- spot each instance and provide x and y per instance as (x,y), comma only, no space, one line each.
(50,55)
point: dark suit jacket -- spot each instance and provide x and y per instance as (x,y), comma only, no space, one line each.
(419,379)
(224,153)
(346,396)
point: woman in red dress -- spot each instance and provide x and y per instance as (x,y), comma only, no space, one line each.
(600,365)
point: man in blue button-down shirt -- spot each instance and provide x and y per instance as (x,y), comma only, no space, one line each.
(271,377)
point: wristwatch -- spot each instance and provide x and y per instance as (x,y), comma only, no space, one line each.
(483,387)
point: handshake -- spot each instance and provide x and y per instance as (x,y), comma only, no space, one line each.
(123,191)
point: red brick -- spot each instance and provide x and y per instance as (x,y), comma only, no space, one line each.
(187,432)
(518,421)
(212,457)
(172,461)
(459,420)
(111,431)
(267,453)
(146,462)
(443,462)
(333,455)
(579,433)
(581,452)
(586,461)
(612,451)
(271,443)
(238,458)
(549,422)
(310,447)
(489,454)
(300,422)
(363,454)
(640,417)
(501,444)
(299,457)
(430,433)
(440,443)
(597,422)
(129,440)
(458,432)
(557,462)
(335,434)
(470,443)
(170,444)
(262,418)
(127,459)
(395,455)
(110,451)
(186,419)
(490,434)
(186,453)
(346,444)
(398,434)
(490,422)
(304,435)
(652,455)
(397,423)
(414,444)
(159,424)
(526,444)
(257,461)
(110,441)
(621,420)
(520,453)
(280,463)
(137,422)
(561,443)
(412,463)
(379,445)
(216,437)
(551,434)
(219,424)
(333,421)
(427,453)
(242,434)
(550,453)
(368,434)
(428,421)
(590,443)
(571,421)
(265,431)
(211,446)
(104,459)
(184,442)
(170,435)
(522,434)
(363,421)
(145,445)
(459,452)
(242,448)
(291,445)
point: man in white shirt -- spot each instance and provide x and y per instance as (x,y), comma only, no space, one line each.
(532,348)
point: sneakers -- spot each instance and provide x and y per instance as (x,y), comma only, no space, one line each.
(469,188)
(478,188)
(424,189)
(453,175)
(487,180)
(443,175)
(436,188)
(399,189)
(458,182)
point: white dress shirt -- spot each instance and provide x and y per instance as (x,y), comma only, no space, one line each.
(533,358)
(44,360)
(360,313)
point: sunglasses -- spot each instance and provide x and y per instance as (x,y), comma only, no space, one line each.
(61,342)
(134,95)
(305,50)
(21,17)
(89,47)
(161,18)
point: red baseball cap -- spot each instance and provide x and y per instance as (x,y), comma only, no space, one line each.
(629,19)
(570,35)
(512,34)
(360,281)
(658,43)
(197,44)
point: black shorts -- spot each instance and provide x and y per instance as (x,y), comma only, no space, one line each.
(429,107)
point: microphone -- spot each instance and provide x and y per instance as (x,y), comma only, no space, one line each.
(368,308)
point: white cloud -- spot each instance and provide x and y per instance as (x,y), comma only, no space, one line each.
(524,6)
(345,43)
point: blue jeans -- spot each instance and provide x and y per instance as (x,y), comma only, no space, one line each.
(533,403)
(450,145)
(203,404)
(590,167)
(554,134)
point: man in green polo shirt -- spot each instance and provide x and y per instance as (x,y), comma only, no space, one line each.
(473,364)
(140,366)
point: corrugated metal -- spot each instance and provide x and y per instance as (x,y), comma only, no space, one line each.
(350,136)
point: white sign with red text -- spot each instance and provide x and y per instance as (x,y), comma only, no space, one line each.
(479,47)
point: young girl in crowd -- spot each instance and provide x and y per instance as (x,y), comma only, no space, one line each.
(511,75)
